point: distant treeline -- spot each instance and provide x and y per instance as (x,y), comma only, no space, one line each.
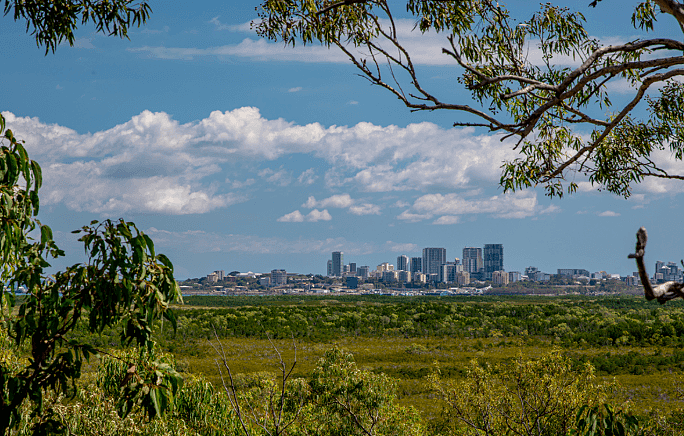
(580,321)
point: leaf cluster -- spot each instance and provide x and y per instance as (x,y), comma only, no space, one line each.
(55,21)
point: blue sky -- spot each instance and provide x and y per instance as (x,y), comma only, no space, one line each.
(235,153)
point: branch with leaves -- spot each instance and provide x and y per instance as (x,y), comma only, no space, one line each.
(541,80)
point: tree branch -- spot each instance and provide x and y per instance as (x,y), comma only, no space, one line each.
(663,293)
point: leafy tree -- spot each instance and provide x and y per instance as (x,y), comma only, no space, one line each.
(532,398)
(545,105)
(123,282)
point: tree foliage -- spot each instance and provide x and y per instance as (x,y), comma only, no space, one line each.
(527,397)
(124,282)
(52,22)
(542,80)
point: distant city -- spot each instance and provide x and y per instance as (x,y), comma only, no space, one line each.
(476,266)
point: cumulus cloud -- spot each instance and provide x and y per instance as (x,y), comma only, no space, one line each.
(447,219)
(448,207)
(292,217)
(609,213)
(313,216)
(341,201)
(318,215)
(153,163)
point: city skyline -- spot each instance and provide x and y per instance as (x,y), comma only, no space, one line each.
(235,153)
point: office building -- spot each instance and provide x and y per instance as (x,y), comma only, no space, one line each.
(472,260)
(352,282)
(278,277)
(416,265)
(352,268)
(500,277)
(330,268)
(389,276)
(514,276)
(403,263)
(337,263)
(573,272)
(462,278)
(493,259)
(403,276)
(433,259)
(220,274)
(363,271)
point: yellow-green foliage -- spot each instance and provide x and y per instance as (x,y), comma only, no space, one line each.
(523,397)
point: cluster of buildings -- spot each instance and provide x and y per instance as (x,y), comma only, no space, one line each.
(432,267)
(278,277)
(476,264)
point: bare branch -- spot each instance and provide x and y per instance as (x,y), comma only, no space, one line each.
(663,293)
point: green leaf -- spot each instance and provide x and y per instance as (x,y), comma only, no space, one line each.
(45,234)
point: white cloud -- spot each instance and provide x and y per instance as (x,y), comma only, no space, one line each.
(125,165)
(550,209)
(353,102)
(343,201)
(340,201)
(447,219)
(236,184)
(218,25)
(365,209)
(313,216)
(520,204)
(280,177)
(307,177)
(292,217)
(425,48)
(318,215)
(296,89)
(609,213)
(412,217)
(398,247)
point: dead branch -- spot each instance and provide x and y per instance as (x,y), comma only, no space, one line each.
(663,293)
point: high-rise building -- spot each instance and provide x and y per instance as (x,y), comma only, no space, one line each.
(278,277)
(403,276)
(330,268)
(416,265)
(500,278)
(462,278)
(493,259)
(220,274)
(433,259)
(403,263)
(352,268)
(337,263)
(472,260)
(363,271)
(385,266)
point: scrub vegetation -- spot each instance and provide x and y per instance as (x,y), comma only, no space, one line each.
(389,365)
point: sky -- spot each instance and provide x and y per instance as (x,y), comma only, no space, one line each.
(236,153)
